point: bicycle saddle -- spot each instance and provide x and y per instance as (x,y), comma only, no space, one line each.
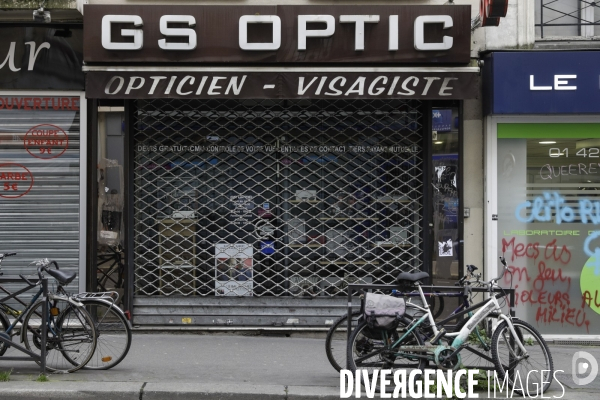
(63,277)
(416,276)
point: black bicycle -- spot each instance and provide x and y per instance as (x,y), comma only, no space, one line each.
(70,333)
(114,274)
(113,330)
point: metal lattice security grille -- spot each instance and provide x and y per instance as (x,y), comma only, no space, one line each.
(275,197)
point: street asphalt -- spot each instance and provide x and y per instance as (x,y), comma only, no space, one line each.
(245,366)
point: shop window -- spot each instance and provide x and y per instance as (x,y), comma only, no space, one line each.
(548,225)
(110,264)
(445,200)
(275,197)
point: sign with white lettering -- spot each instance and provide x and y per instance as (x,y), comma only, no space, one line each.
(542,82)
(400,34)
(41,58)
(277,83)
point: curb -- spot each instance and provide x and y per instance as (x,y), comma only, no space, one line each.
(98,390)
(60,390)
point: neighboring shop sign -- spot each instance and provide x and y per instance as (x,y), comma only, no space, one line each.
(41,58)
(542,82)
(404,34)
(46,141)
(15,180)
(461,83)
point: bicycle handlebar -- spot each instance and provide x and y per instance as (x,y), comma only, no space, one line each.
(42,265)
(495,280)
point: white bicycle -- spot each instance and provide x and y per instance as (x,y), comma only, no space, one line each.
(516,347)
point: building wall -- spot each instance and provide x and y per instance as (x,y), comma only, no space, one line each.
(515,31)
(576,36)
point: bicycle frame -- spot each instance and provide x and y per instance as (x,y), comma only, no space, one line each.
(45,314)
(419,293)
(453,315)
(20,316)
(485,307)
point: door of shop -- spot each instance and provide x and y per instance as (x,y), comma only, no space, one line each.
(260,212)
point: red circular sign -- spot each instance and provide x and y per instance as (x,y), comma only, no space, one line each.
(46,141)
(15,180)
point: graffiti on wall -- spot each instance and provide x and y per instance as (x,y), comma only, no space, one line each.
(545,285)
(589,281)
(552,207)
(545,270)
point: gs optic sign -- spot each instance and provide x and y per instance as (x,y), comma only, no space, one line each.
(277,34)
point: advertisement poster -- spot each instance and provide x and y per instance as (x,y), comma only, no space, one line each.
(233,269)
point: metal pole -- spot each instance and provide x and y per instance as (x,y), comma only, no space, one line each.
(542,18)
(512,302)
(349,321)
(44,324)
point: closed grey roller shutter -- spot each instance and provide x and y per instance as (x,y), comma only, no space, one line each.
(39,182)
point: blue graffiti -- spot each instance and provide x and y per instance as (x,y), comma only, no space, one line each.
(595,254)
(552,204)
(589,209)
(544,207)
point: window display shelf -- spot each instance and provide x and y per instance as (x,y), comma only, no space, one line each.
(392,245)
(347,219)
(177,256)
(305,201)
(393,201)
(177,265)
(349,262)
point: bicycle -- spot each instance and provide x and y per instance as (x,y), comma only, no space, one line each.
(70,338)
(336,340)
(116,267)
(404,348)
(113,330)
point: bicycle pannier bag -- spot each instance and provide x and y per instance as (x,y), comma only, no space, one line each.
(383,312)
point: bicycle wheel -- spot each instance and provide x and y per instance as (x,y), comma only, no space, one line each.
(367,350)
(512,363)
(336,342)
(113,333)
(4,324)
(477,351)
(70,339)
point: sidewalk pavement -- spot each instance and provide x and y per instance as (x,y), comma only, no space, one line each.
(243,366)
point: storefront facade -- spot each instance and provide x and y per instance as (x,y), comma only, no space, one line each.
(542,181)
(274,154)
(42,114)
